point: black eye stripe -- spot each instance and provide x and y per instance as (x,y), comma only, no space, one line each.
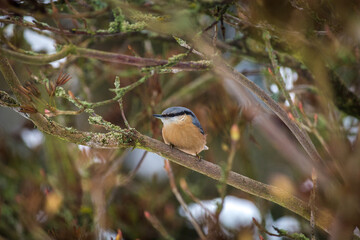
(179,114)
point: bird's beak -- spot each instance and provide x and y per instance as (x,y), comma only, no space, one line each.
(158,116)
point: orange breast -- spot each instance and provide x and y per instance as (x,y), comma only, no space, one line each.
(184,136)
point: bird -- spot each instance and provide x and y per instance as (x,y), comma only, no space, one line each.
(182,129)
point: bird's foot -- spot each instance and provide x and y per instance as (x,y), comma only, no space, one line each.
(198,156)
(171,145)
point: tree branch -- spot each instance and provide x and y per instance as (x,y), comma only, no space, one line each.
(72,32)
(41,59)
(37,59)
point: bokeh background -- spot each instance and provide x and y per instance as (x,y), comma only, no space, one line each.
(53,189)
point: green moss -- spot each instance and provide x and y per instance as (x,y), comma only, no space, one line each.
(146,17)
(116,25)
(133,27)
(181,42)
(60,92)
(96,120)
(18,18)
(120,24)
(299,236)
(71,49)
(117,82)
(101,31)
(104,141)
(42,24)
(58,47)
(31,53)
(296,236)
(85,139)
(89,111)
(71,129)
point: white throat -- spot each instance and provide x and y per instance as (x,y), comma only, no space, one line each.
(172,120)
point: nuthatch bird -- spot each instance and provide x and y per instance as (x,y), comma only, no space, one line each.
(182,130)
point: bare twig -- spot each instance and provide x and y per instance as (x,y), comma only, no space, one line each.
(210,26)
(56,112)
(235,136)
(277,77)
(262,229)
(157,225)
(123,114)
(131,175)
(312,204)
(76,13)
(186,189)
(120,101)
(214,39)
(281,233)
(120,92)
(177,194)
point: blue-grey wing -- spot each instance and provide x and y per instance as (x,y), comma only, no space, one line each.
(197,123)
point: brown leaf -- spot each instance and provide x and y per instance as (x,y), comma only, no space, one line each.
(28,109)
(62,79)
(23,91)
(31,87)
(71,95)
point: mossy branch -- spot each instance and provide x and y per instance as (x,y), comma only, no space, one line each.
(7,101)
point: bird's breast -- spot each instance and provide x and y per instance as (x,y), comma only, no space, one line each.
(184,136)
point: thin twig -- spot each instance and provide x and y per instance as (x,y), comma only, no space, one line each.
(214,39)
(123,114)
(38,14)
(76,13)
(186,189)
(210,26)
(235,136)
(56,112)
(130,177)
(157,225)
(120,92)
(277,77)
(281,233)
(262,229)
(73,32)
(42,59)
(312,204)
(177,194)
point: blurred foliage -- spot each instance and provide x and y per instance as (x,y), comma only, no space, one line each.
(55,190)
